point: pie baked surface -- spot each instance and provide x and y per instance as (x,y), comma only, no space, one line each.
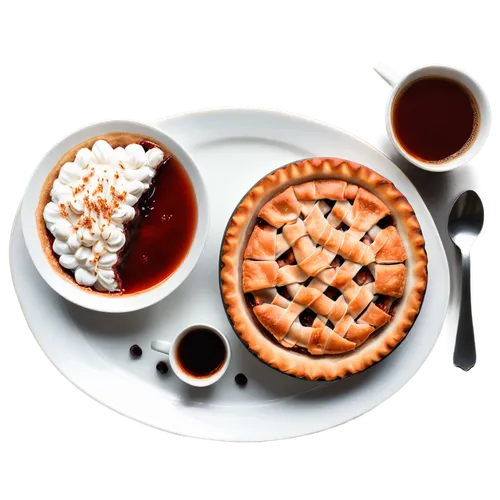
(323,268)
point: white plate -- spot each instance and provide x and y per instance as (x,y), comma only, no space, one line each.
(233,149)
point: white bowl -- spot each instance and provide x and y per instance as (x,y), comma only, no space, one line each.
(72,291)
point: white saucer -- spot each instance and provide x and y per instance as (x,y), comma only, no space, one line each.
(233,148)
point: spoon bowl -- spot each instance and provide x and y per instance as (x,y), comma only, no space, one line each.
(466,219)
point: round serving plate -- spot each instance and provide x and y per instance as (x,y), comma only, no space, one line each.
(233,148)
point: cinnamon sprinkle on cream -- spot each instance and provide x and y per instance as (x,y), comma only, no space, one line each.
(77,189)
(98,189)
(85,222)
(63,210)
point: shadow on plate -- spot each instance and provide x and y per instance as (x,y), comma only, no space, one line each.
(126,324)
(434,188)
(111,324)
(193,396)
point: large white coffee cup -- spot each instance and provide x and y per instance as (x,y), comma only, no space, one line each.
(399,83)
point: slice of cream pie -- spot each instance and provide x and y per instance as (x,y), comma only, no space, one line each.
(88,201)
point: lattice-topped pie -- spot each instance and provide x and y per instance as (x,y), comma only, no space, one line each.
(323,268)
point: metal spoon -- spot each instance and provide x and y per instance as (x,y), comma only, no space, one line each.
(464,225)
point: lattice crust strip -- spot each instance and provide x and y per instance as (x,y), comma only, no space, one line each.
(318,222)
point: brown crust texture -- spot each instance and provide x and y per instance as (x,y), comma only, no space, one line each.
(267,199)
(115,139)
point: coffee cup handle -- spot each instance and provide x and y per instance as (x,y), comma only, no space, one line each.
(390,76)
(161,346)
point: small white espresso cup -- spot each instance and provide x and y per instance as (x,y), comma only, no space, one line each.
(172,349)
(399,83)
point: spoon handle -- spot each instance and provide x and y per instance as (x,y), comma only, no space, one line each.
(465,348)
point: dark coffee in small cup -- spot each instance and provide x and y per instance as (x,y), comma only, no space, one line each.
(435,119)
(201,353)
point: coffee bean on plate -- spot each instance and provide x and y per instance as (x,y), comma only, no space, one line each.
(162,367)
(241,379)
(135,351)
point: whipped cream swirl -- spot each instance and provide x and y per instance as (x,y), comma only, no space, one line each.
(92,200)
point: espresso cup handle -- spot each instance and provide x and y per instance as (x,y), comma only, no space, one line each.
(161,346)
(387,73)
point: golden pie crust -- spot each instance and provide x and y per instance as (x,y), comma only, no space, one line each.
(115,139)
(395,255)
